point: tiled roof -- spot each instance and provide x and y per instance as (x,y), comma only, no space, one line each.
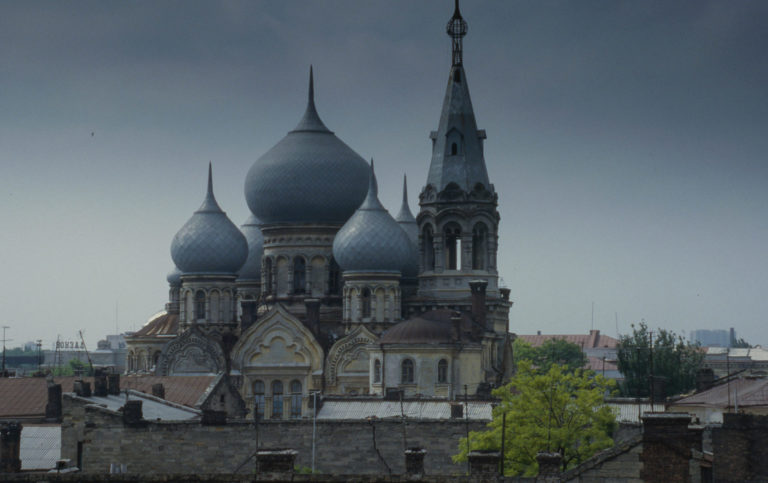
(598,364)
(743,392)
(162,323)
(26,397)
(593,340)
(391,409)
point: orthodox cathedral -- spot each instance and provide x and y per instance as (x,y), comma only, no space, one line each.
(323,291)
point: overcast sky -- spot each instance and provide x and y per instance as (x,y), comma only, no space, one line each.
(627,142)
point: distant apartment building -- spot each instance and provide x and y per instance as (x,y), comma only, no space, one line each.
(713,338)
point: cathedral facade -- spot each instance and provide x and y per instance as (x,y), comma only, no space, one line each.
(323,291)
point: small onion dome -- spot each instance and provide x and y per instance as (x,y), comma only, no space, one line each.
(433,327)
(209,242)
(174,277)
(310,176)
(372,241)
(251,270)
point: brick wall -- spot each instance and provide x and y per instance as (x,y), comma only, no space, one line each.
(740,448)
(342,447)
(667,444)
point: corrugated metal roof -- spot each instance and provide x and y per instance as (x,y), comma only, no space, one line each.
(632,412)
(754,353)
(743,392)
(480,411)
(40,447)
(161,323)
(151,408)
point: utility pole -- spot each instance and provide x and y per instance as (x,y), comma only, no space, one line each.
(2,374)
(650,351)
(39,344)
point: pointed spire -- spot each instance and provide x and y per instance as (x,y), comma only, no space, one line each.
(210,204)
(372,199)
(405,215)
(311,119)
(456,29)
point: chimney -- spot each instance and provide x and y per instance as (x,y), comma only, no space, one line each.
(457,411)
(132,413)
(158,390)
(100,384)
(414,462)
(456,326)
(667,444)
(10,445)
(313,314)
(484,463)
(113,384)
(549,466)
(53,407)
(478,302)
(82,388)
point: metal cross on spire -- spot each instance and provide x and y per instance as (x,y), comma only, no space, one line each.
(456,29)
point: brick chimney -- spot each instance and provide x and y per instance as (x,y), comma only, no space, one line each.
(82,388)
(158,390)
(667,444)
(100,385)
(53,407)
(414,462)
(484,463)
(10,445)
(113,384)
(132,413)
(549,466)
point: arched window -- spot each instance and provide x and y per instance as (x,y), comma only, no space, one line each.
(155,358)
(366,302)
(200,305)
(428,248)
(479,246)
(214,317)
(442,371)
(452,235)
(454,149)
(377,371)
(299,275)
(406,373)
(258,398)
(268,276)
(295,399)
(277,399)
(334,278)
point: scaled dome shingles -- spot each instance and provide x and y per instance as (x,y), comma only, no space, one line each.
(251,269)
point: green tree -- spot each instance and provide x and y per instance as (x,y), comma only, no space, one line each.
(73,368)
(558,410)
(670,359)
(740,343)
(552,351)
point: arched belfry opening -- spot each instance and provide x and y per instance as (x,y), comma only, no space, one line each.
(452,237)
(428,248)
(479,246)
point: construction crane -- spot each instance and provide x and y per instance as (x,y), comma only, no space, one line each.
(82,339)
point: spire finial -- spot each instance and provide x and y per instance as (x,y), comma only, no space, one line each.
(405,184)
(373,186)
(456,29)
(311,86)
(209,203)
(210,179)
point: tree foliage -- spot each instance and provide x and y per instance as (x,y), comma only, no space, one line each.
(74,367)
(740,343)
(552,351)
(671,360)
(558,410)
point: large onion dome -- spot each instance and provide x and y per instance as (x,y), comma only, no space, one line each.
(251,270)
(209,242)
(310,176)
(371,240)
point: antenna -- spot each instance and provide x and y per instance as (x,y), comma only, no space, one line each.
(592,323)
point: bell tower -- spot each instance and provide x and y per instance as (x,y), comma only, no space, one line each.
(458,220)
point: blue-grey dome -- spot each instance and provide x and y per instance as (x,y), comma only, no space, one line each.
(174,277)
(371,240)
(310,176)
(209,242)
(251,270)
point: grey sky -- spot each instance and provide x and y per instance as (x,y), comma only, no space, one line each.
(626,141)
